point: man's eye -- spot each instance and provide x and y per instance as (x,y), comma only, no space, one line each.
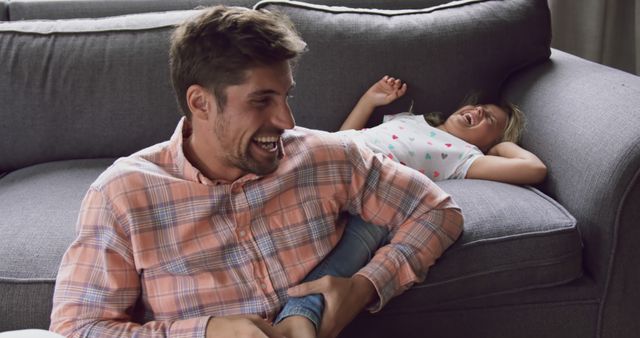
(261,102)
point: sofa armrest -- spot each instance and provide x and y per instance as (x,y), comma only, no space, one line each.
(583,120)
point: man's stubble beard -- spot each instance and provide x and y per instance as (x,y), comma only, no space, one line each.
(240,156)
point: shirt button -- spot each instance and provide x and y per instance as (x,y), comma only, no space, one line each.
(263,286)
(243,233)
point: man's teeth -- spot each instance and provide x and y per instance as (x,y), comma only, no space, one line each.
(269,143)
(266,139)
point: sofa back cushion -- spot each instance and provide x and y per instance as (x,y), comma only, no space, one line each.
(85,88)
(67,9)
(91,88)
(3,10)
(442,52)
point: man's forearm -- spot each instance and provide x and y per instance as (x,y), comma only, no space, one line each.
(403,262)
(364,292)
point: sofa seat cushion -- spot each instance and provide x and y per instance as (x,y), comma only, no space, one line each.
(515,238)
(39,207)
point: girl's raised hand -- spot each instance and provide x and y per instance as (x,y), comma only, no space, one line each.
(385,91)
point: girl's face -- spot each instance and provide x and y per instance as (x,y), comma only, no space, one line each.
(481,125)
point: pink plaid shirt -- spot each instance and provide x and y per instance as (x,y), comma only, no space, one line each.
(153,228)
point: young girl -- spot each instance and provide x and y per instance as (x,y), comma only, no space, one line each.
(451,149)
(477,141)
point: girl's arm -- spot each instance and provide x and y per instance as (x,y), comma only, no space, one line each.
(383,92)
(509,163)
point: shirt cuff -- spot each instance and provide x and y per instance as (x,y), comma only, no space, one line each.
(189,328)
(385,272)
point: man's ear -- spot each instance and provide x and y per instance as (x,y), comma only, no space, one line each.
(201,102)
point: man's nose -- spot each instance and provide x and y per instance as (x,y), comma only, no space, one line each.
(282,118)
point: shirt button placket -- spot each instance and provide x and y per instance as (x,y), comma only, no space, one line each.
(241,212)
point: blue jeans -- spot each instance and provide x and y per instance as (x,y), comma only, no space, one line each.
(359,242)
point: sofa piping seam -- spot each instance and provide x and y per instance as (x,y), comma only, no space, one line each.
(371,11)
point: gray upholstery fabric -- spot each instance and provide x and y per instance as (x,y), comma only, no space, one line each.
(351,49)
(381,4)
(568,310)
(104,82)
(4,14)
(521,321)
(594,159)
(26,304)
(39,207)
(589,136)
(514,238)
(67,9)
(622,293)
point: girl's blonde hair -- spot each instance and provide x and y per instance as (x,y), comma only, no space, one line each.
(512,131)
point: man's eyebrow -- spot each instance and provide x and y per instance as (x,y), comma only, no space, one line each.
(264,92)
(267,92)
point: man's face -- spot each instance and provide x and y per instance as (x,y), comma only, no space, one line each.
(244,137)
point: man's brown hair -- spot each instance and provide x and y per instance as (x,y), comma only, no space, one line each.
(216,48)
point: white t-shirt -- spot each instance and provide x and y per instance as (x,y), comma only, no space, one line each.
(410,140)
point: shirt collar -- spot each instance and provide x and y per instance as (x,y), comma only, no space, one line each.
(188,170)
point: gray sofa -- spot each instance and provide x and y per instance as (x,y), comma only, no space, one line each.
(557,260)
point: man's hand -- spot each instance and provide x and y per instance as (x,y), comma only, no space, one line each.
(241,326)
(344,298)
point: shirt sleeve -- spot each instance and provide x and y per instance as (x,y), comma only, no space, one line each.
(465,163)
(423,220)
(387,118)
(98,285)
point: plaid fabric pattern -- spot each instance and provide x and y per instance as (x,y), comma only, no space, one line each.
(153,227)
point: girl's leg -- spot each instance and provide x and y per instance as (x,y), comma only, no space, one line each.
(359,242)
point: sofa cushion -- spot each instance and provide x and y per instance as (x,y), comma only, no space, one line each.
(85,88)
(442,52)
(3,11)
(39,207)
(381,4)
(67,9)
(515,238)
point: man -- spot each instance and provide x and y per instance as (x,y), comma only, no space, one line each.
(209,230)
